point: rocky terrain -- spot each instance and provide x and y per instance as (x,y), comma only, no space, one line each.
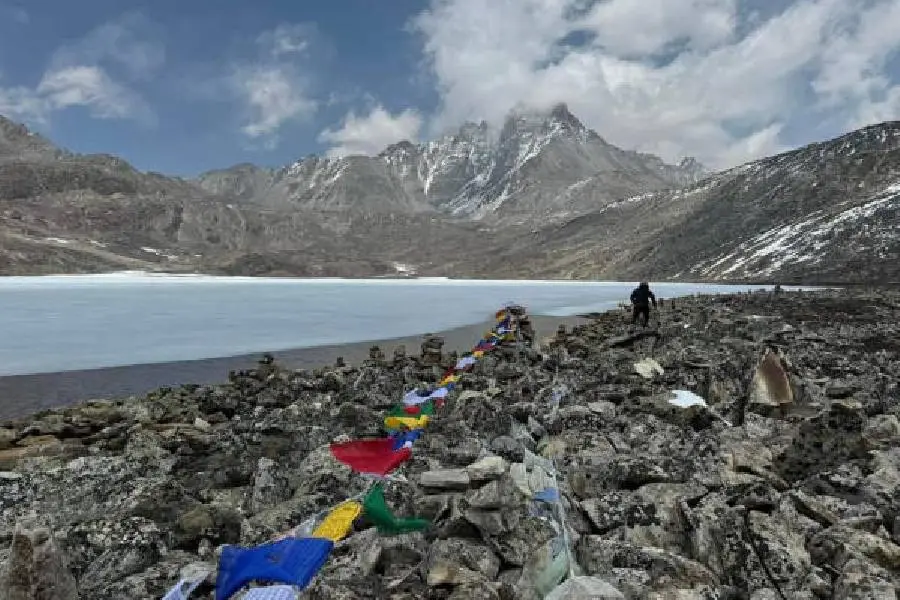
(543,197)
(799,499)
(828,212)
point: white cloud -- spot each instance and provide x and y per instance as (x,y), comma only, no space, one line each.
(274,89)
(628,29)
(22,103)
(82,73)
(853,66)
(272,95)
(370,134)
(130,42)
(706,78)
(90,87)
(875,111)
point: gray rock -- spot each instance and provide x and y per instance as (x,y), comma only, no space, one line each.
(585,588)
(460,562)
(488,468)
(508,448)
(36,569)
(448,479)
(269,486)
(658,504)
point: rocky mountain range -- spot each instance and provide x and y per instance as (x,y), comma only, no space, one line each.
(521,173)
(543,196)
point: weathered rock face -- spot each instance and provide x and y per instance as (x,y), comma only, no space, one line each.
(36,568)
(798,500)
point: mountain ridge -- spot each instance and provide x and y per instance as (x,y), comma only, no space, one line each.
(542,197)
(471,172)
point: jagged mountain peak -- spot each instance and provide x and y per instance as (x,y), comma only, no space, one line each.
(475,170)
(18,141)
(401,146)
(470,129)
(689,162)
(402,150)
(10,128)
(557,121)
(241,167)
(692,169)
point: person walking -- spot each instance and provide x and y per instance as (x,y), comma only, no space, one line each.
(641,298)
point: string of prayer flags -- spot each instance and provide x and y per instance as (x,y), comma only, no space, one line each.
(405,439)
(272,592)
(184,588)
(377,456)
(464,363)
(557,569)
(484,346)
(295,557)
(339,521)
(426,408)
(392,422)
(415,397)
(548,495)
(584,586)
(293,561)
(439,394)
(376,510)
(451,376)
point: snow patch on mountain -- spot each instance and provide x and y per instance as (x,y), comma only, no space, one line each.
(867,227)
(326,172)
(473,172)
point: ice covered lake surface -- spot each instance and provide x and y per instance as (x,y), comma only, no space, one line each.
(69,322)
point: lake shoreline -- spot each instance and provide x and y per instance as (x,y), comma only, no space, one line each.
(23,395)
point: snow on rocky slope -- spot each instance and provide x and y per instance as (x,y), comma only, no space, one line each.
(872,227)
(473,173)
(828,212)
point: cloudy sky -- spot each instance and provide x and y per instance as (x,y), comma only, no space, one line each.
(183,86)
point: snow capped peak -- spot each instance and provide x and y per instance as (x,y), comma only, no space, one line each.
(560,112)
(404,147)
(472,131)
(557,122)
(474,170)
(471,171)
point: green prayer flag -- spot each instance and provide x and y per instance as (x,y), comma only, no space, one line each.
(426,408)
(376,510)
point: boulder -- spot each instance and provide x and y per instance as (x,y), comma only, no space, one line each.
(447,479)
(36,569)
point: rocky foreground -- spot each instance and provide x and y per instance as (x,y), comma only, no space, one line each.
(800,499)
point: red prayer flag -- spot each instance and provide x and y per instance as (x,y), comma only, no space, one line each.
(371,456)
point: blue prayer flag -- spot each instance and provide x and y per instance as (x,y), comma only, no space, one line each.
(293,561)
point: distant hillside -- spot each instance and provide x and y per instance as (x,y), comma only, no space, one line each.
(543,197)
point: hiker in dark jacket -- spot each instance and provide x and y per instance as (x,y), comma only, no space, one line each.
(641,298)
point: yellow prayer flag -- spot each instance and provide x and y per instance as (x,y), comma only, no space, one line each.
(339,521)
(408,422)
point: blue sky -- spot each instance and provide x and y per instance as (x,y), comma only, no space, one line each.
(192,128)
(182,87)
